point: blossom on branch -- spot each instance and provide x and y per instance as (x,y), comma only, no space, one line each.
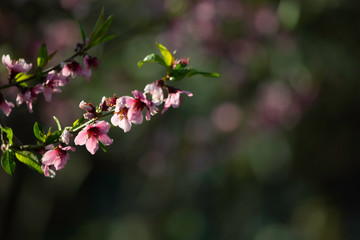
(155,89)
(15,67)
(51,85)
(55,159)
(173,99)
(137,104)
(120,117)
(5,106)
(89,108)
(72,69)
(29,95)
(89,62)
(92,134)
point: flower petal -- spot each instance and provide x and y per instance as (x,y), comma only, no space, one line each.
(105,139)
(81,138)
(92,145)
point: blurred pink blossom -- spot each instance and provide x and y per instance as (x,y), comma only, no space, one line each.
(5,106)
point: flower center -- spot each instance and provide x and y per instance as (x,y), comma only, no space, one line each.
(93,132)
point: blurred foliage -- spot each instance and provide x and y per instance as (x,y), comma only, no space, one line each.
(268,151)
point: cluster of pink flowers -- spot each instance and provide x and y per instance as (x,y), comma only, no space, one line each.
(50,84)
(126,111)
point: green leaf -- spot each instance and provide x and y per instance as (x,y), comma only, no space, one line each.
(98,23)
(78,122)
(42,57)
(49,132)
(168,57)
(193,72)
(23,77)
(102,146)
(99,35)
(83,35)
(39,132)
(51,56)
(179,74)
(57,123)
(153,58)
(107,38)
(30,160)
(9,134)
(8,162)
(53,137)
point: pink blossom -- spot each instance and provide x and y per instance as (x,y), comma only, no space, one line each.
(51,85)
(15,67)
(120,117)
(137,104)
(65,136)
(55,159)
(89,108)
(49,171)
(107,104)
(5,106)
(155,89)
(89,62)
(92,134)
(29,95)
(61,79)
(173,99)
(72,69)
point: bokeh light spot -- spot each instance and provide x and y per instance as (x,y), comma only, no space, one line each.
(227,117)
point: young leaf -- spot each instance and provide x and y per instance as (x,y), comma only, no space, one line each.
(179,74)
(9,134)
(168,57)
(83,35)
(102,146)
(107,38)
(53,137)
(96,37)
(39,132)
(30,160)
(42,56)
(78,122)
(96,28)
(8,162)
(23,77)
(193,72)
(57,123)
(51,56)
(153,58)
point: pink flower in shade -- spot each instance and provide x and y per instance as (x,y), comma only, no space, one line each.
(72,69)
(89,62)
(137,104)
(61,79)
(92,134)
(120,117)
(65,136)
(107,104)
(29,95)
(55,159)
(173,99)
(15,67)
(5,106)
(51,85)
(89,108)
(155,89)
